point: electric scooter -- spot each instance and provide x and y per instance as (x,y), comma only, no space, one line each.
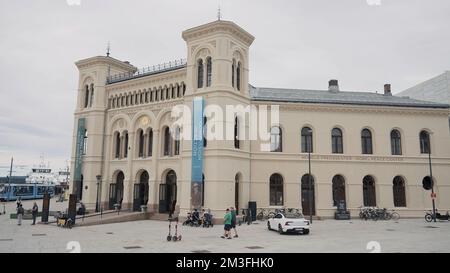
(169,237)
(176,237)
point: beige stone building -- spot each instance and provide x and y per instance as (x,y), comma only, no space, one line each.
(366,148)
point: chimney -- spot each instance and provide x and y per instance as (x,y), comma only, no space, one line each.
(387,90)
(333,86)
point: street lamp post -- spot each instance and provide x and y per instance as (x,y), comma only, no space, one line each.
(432,182)
(99,178)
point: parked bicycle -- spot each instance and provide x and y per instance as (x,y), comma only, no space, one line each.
(375,214)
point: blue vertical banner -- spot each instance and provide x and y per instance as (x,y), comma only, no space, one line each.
(78,154)
(197,152)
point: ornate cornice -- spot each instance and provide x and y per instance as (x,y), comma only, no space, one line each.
(99,60)
(218,27)
(315,107)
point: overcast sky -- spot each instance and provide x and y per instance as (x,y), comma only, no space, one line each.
(299,44)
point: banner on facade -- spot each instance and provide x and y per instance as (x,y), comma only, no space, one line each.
(78,155)
(197,153)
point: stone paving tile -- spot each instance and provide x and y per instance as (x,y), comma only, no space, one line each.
(326,236)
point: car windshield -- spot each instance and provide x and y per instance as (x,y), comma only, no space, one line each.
(293,215)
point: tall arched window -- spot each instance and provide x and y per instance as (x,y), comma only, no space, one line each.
(236,192)
(177,141)
(150,143)
(308,195)
(184,89)
(200,73)
(337,144)
(141,143)
(276,140)
(208,71)
(125,147)
(117,148)
(178,91)
(238,76)
(425,142)
(366,142)
(167,142)
(338,189)
(92,95)
(399,192)
(276,190)
(86,96)
(369,195)
(237,144)
(85,142)
(307,140)
(233,72)
(396,142)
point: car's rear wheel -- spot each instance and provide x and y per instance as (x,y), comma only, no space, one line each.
(280,229)
(268,226)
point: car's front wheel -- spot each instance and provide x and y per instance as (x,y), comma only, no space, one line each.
(305,231)
(268,226)
(280,229)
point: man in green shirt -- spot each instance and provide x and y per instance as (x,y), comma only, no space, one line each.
(233,222)
(227,224)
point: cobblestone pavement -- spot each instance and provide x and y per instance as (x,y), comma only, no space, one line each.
(408,235)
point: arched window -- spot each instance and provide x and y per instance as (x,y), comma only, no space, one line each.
(366,142)
(141,143)
(85,142)
(205,132)
(150,143)
(338,189)
(117,148)
(307,140)
(173,92)
(337,144)
(369,195)
(276,190)
(276,140)
(178,91)
(238,76)
(425,142)
(167,142)
(177,141)
(396,142)
(113,103)
(233,72)
(125,147)
(237,144)
(122,101)
(86,96)
(208,71)
(92,95)
(200,73)
(167,93)
(399,192)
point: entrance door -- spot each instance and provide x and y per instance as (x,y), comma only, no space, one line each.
(112,195)
(137,197)
(308,200)
(163,203)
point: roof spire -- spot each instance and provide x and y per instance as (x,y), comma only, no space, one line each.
(108,49)
(219,14)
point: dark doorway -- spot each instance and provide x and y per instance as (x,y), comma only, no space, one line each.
(140,193)
(116,191)
(308,196)
(338,189)
(168,192)
(369,194)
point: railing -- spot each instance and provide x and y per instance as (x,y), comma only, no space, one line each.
(150,70)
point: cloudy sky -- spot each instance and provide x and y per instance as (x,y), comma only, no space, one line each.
(299,44)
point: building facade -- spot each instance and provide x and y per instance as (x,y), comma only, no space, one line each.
(365,148)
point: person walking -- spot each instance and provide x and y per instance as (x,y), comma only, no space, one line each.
(227,225)
(233,222)
(20,213)
(34,213)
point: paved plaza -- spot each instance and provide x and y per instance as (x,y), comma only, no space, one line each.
(406,235)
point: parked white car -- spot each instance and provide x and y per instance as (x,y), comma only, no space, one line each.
(285,222)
